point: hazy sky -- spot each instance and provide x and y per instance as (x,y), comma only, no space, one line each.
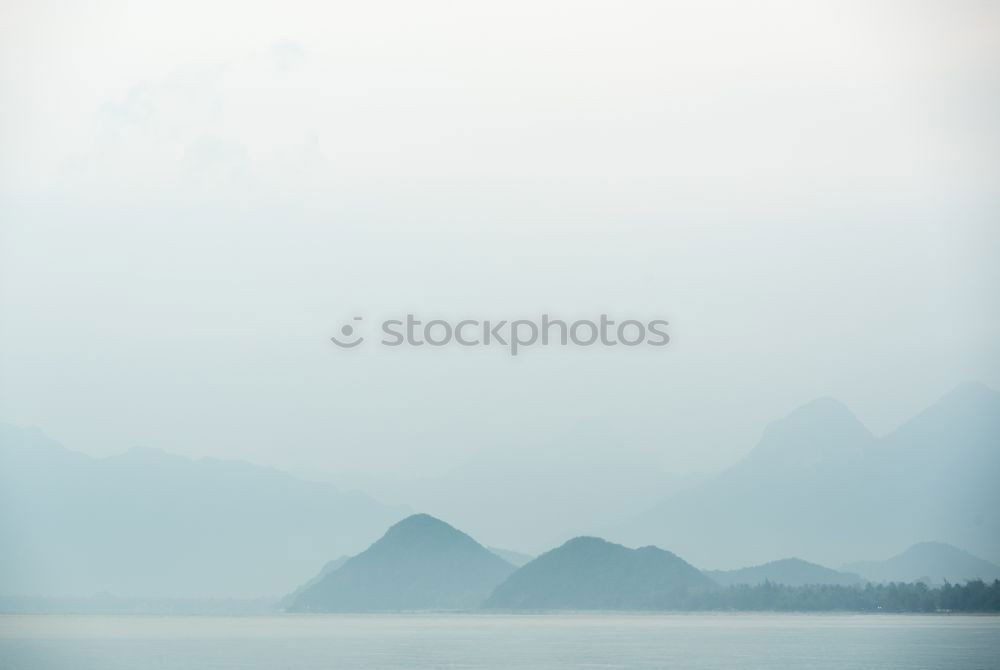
(195,195)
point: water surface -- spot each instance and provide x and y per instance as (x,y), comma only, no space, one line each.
(474,641)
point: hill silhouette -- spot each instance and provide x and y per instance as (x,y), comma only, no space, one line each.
(591,573)
(928,561)
(420,563)
(515,558)
(334,564)
(788,571)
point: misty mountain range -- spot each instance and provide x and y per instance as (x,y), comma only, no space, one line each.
(147,523)
(818,486)
(423,563)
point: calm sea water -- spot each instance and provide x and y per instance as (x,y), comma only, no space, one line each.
(473,641)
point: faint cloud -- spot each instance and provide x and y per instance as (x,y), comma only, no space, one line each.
(288,54)
(202,130)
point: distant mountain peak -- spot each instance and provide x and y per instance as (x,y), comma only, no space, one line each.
(969,412)
(968,397)
(515,558)
(426,527)
(27,438)
(824,425)
(788,571)
(933,548)
(971,388)
(825,412)
(936,561)
(971,394)
(587,541)
(143,451)
(421,521)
